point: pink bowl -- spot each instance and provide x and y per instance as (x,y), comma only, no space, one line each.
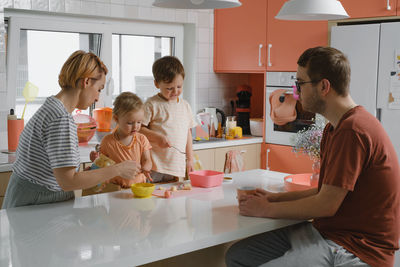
(206,178)
(298,182)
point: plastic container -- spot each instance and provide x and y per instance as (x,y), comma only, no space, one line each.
(14,130)
(142,190)
(103,117)
(86,127)
(206,178)
(256,126)
(299,182)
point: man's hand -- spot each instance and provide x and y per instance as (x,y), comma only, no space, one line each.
(254,205)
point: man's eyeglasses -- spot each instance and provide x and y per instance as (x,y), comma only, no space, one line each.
(298,84)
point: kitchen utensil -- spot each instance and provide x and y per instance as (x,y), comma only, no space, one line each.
(86,127)
(177,149)
(256,126)
(142,190)
(103,117)
(214,118)
(206,178)
(298,182)
(30,92)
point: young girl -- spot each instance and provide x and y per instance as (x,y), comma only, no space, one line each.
(126,143)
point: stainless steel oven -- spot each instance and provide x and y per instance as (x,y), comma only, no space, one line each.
(282,134)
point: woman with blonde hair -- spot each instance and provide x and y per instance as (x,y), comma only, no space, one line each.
(45,169)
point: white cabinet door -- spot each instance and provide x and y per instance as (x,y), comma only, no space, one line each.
(360,43)
(389,44)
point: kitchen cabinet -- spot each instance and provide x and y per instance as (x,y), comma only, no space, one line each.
(370,8)
(4,178)
(283,159)
(207,158)
(214,159)
(249,39)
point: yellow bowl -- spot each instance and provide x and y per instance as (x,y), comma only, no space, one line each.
(142,190)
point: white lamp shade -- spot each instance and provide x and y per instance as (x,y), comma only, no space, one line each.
(312,10)
(197,4)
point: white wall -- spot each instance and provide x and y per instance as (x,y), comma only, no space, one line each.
(210,89)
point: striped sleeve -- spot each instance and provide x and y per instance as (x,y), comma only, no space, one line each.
(60,139)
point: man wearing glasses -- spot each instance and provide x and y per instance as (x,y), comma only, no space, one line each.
(356,207)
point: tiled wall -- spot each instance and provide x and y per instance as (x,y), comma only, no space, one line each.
(212,89)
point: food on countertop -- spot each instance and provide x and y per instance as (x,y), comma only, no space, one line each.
(167,194)
(174,188)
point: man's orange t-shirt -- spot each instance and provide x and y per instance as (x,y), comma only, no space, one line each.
(358,155)
(118,152)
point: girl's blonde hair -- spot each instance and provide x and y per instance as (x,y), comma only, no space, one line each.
(126,102)
(80,65)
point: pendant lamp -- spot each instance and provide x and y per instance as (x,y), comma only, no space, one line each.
(197,4)
(312,10)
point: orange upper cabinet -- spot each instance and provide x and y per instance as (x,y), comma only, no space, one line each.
(370,8)
(249,39)
(287,40)
(238,34)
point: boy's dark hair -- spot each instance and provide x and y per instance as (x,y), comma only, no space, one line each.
(166,68)
(327,63)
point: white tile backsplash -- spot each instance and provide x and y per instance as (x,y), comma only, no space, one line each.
(204,50)
(213,89)
(42,5)
(23,4)
(57,5)
(3,82)
(73,6)
(203,35)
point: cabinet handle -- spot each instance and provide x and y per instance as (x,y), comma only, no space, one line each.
(260,46)
(268,150)
(269,55)
(388,7)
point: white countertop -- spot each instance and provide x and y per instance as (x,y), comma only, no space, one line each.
(115,229)
(6,160)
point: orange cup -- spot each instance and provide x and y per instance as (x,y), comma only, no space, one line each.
(14,129)
(103,117)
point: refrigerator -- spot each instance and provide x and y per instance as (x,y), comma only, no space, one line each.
(374,54)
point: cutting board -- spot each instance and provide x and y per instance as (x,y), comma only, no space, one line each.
(182,193)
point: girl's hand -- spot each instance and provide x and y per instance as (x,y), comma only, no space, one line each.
(93,155)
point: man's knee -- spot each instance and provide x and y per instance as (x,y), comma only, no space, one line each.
(232,255)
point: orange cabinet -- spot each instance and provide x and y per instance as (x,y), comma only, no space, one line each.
(282,159)
(238,34)
(370,8)
(249,39)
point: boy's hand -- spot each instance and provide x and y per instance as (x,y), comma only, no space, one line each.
(189,166)
(163,141)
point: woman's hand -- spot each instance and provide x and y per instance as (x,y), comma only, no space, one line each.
(128,169)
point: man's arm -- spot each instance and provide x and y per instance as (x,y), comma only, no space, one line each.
(323,204)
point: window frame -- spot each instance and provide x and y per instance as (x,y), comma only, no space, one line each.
(28,20)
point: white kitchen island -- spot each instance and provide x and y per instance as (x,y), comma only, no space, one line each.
(115,229)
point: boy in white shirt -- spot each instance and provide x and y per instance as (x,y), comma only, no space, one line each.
(168,121)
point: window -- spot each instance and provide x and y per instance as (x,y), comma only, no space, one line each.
(40,44)
(133,57)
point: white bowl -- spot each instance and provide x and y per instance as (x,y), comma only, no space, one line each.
(256,126)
